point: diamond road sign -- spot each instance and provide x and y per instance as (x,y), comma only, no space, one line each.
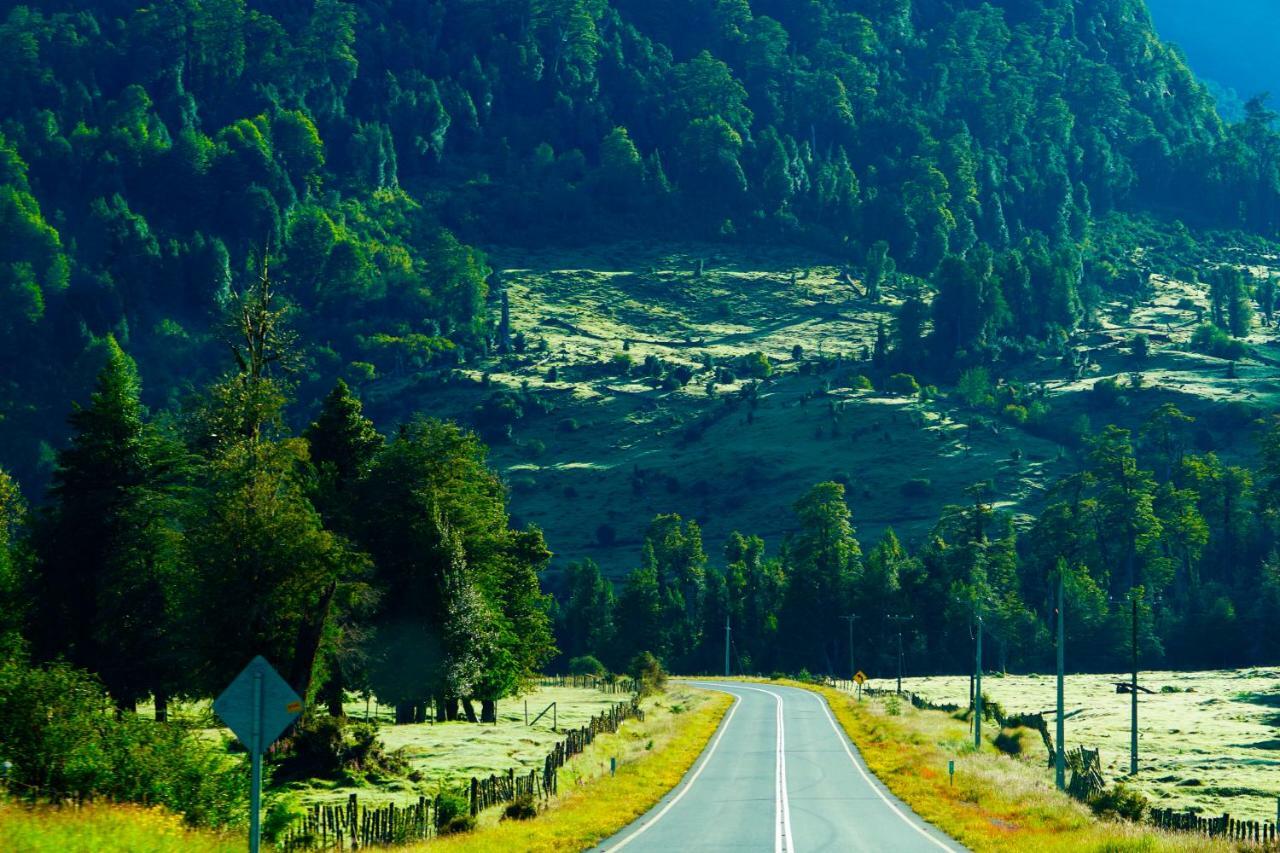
(276,704)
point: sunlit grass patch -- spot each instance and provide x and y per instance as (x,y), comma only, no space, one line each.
(105,829)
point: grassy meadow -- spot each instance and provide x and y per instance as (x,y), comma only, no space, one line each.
(1211,746)
(997,802)
(615,451)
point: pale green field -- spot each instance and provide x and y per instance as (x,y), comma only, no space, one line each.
(445,754)
(1215,748)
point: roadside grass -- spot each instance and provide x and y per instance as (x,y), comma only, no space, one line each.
(105,828)
(997,802)
(653,757)
(1207,738)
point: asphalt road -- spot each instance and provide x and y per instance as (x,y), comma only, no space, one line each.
(779,775)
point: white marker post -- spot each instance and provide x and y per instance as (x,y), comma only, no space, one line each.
(257,706)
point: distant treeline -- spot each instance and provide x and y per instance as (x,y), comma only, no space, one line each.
(1194,538)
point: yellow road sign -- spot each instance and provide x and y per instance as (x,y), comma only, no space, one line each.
(861,678)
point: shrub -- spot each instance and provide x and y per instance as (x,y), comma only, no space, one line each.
(1140,347)
(1016,741)
(755,364)
(606,535)
(533,448)
(570,425)
(1119,801)
(65,741)
(1105,393)
(453,813)
(621,363)
(648,674)
(1210,340)
(523,808)
(903,384)
(919,487)
(325,747)
(1015,414)
(861,383)
(974,388)
(586,665)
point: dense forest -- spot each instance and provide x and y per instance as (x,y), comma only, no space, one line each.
(1148,516)
(185,180)
(146,151)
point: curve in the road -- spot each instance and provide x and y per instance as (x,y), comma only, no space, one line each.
(779,749)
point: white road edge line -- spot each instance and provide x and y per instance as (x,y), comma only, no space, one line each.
(844,741)
(706,759)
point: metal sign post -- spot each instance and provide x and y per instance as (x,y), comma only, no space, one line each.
(257,706)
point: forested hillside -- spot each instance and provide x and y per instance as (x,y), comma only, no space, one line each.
(148,151)
(986,194)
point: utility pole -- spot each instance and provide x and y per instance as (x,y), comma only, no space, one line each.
(1060,759)
(898,620)
(1133,690)
(726,645)
(849,619)
(977,692)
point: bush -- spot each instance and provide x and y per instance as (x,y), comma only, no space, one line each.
(523,808)
(586,665)
(1016,741)
(453,813)
(1105,393)
(1015,414)
(1210,340)
(1119,801)
(621,363)
(66,742)
(648,674)
(606,535)
(974,388)
(325,747)
(861,383)
(903,384)
(755,365)
(920,487)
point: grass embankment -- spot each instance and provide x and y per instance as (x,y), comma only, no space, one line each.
(998,802)
(105,829)
(652,756)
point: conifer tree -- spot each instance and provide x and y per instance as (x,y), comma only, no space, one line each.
(110,556)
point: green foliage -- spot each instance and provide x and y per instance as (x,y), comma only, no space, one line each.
(586,665)
(65,741)
(1211,340)
(1119,802)
(648,674)
(903,385)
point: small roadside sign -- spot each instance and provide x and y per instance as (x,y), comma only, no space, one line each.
(257,706)
(861,678)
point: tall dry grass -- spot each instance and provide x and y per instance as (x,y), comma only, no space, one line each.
(997,802)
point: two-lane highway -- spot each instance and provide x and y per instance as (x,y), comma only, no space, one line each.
(779,775)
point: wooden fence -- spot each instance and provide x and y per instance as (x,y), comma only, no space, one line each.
(610,684)
(1247,831)
(352,826)
(503,789)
